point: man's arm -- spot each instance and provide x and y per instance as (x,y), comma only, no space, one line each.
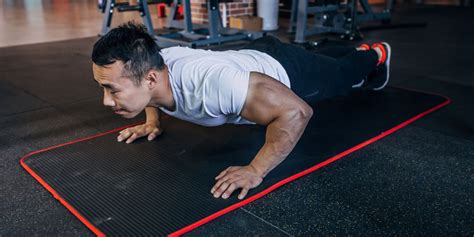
(153,116)
(286,116)
(150,128)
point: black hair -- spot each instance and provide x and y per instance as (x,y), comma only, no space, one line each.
(131,44)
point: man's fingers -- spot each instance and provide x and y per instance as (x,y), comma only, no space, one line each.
(131,134)
(232,168)
(221,189)
(229,190)
(233,178)
(132,138)
(224,185)
(218,184)
(222,173)
(243,193)
(154,134)
(151,136)
(124,135)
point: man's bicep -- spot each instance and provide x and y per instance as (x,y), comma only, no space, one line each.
(267,99)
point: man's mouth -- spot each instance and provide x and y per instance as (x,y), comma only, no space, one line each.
(119,111)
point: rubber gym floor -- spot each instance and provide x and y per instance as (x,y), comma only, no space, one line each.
(417,181)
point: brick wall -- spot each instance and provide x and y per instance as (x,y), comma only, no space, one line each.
(199,11)
(228,9)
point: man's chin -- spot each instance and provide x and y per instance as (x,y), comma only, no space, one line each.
(126,114)
(129,115)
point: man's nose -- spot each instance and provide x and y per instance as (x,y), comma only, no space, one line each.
(108,101)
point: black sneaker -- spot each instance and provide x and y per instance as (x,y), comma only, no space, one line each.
(378,79)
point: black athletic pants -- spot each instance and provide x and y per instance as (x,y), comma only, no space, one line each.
(316,76)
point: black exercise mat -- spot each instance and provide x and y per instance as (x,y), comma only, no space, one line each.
(163,187)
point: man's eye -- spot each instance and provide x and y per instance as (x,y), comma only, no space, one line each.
(113,92)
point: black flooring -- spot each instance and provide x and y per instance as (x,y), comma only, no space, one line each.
(417,181)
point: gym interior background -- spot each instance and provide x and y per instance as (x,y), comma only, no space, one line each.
(417,181)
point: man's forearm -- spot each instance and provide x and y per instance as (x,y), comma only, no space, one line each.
(282,136)
(152,115)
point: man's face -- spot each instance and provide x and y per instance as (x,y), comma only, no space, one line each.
(121,94)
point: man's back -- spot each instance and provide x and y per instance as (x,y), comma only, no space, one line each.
(210,87)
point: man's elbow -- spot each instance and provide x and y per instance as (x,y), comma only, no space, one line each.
(302,113)
(306,112)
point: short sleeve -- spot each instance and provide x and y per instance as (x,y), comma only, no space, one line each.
(226,89)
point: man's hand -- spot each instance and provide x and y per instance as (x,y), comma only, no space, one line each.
(235,177)
(146,129)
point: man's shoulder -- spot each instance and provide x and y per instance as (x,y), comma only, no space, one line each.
(185,56)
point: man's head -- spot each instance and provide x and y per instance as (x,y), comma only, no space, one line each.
(127,64)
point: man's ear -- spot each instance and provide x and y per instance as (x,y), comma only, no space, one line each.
(155,77)
(152,79)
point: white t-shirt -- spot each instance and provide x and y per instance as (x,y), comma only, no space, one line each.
(209,87)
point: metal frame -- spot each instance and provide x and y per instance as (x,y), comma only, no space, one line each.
(212,33)
(205,34)
(142,7)
(349,28)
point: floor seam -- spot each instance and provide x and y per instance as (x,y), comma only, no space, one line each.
(48,106)
(27,111)
(266,222)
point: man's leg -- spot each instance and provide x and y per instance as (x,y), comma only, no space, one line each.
(336,51)
(341,51)
(315,76)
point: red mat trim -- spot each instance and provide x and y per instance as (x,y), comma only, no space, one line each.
(236,205)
